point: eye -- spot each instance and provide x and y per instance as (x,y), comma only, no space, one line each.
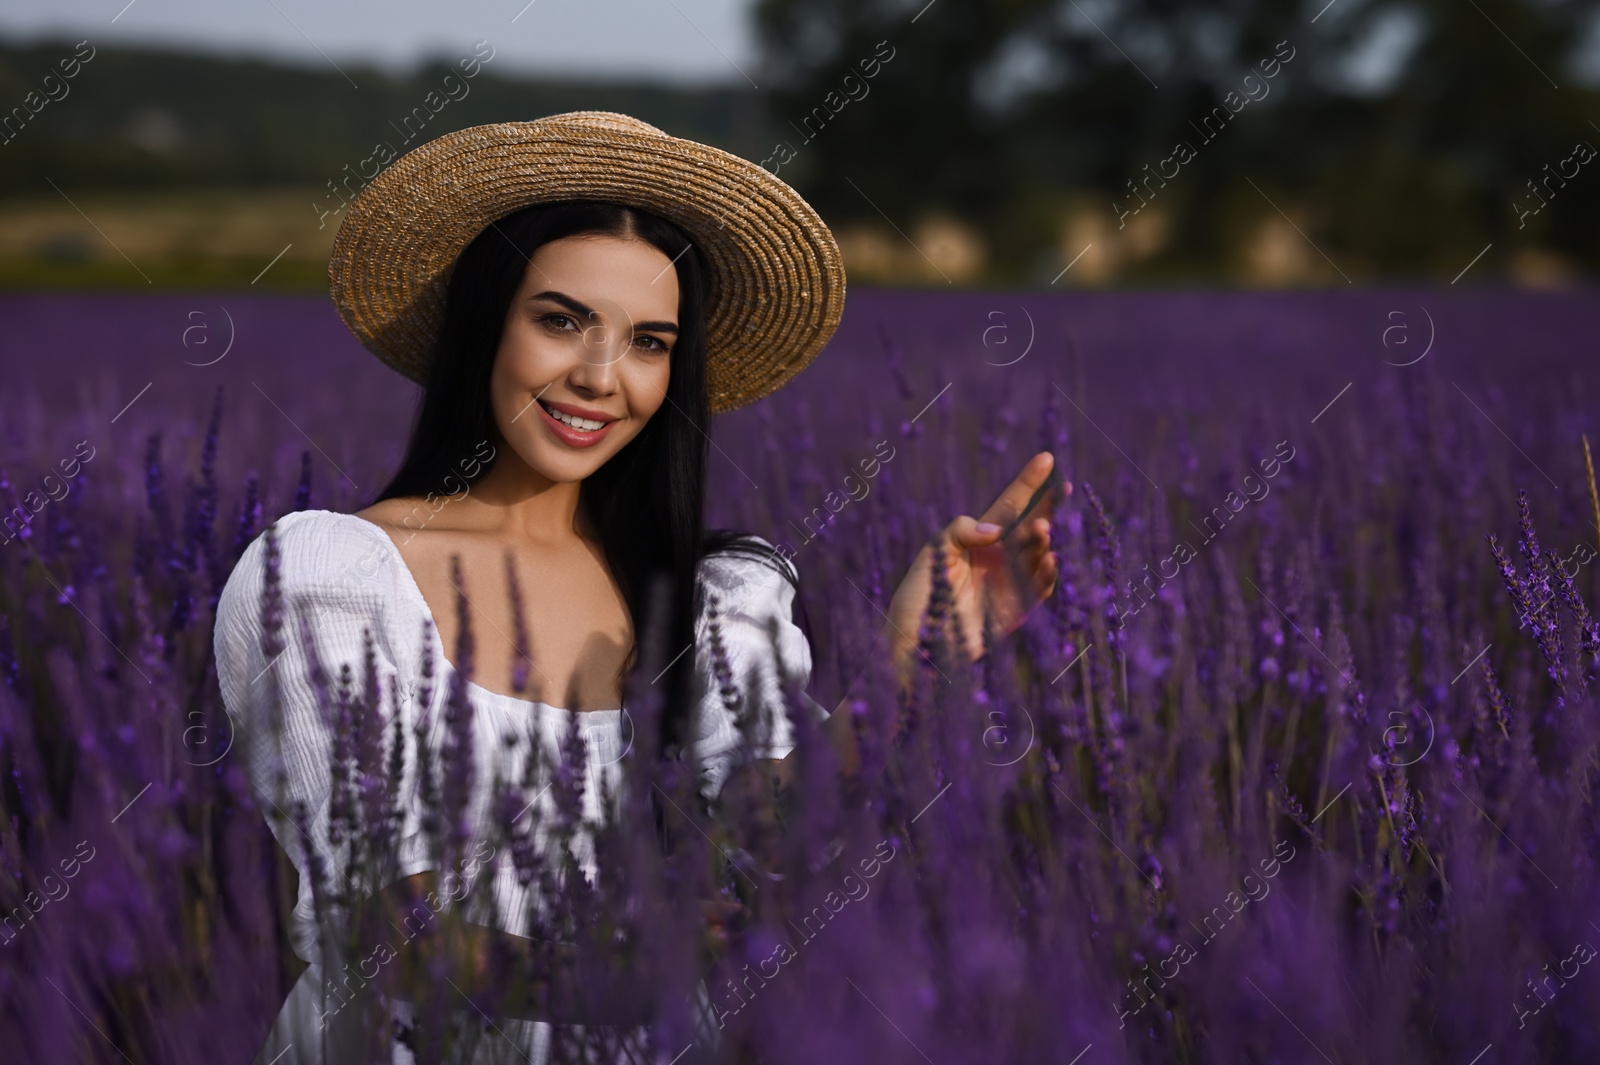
(652,344)
(557,323)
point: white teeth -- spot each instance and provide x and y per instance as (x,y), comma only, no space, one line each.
(584,425)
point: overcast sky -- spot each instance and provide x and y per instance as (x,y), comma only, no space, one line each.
(680,40)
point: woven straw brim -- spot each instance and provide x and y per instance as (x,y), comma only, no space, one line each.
(777,282)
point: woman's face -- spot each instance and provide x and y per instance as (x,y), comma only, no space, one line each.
(585,354)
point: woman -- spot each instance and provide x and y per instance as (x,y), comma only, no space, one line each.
(576,294)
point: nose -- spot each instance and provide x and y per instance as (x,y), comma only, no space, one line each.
(594,374)
(604,342)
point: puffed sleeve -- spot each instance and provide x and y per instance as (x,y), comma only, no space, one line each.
(750,593)
(339,578)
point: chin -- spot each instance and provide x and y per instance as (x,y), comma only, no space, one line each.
(562,465)
(564,469)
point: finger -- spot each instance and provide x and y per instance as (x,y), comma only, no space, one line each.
(1036,553)
(1026,545)
(1040,565)
(967,532)
(1043,568)
(1010,503)
(1049,575)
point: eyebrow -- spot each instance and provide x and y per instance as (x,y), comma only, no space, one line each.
(576,307)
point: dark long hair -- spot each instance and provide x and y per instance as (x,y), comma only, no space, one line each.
(647,501)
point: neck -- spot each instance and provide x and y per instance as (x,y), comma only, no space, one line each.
(516,501)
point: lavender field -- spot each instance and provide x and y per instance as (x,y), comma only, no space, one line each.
(1299,763)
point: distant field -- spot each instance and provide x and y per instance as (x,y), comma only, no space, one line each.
(225,238)
(183,239)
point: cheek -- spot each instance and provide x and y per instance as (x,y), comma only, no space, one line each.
(647,386)
(506,397)
(521,356)
(522,366)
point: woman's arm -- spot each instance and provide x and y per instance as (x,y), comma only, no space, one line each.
(998,568)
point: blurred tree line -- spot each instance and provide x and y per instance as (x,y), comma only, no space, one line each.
(999,142)
(198,169)
(160,118)
(1401,138)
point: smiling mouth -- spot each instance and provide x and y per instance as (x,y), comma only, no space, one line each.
(582,425)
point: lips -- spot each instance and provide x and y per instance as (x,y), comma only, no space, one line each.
(570,435)
(572,410)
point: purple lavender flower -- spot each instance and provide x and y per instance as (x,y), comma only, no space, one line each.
(302,492)
(524,657)
(457,768)
(970,902)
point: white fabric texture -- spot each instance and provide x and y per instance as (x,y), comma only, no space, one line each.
(344,575)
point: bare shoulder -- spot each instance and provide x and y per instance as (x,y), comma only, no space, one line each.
(425,530)
(430,533)
(399,516)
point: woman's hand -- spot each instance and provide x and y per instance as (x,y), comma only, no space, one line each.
(991,591)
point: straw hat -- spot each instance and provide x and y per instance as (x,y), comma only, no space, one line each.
(777,280)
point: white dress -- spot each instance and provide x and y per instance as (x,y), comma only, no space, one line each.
(345,575)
